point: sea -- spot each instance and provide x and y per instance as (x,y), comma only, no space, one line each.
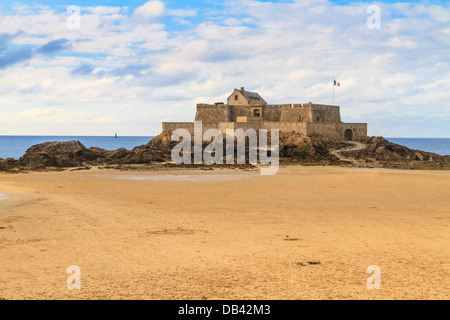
(436,145)
(15,146)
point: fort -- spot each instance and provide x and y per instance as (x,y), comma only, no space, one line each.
(248,110)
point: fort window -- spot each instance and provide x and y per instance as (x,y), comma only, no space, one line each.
(235,97)
(256,113)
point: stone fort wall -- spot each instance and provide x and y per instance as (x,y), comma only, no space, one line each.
(307,119)
(335,131)
(307,112)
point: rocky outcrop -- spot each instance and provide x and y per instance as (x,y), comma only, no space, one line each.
(56,154)
(298,149)
(7,164)
(75,154)
(294,149)
(156,150)
(381,153)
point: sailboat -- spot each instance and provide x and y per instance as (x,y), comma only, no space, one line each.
(115,135)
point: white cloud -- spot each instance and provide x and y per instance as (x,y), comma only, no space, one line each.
(150,9)
(401,42)
(105,10)
(232,22)
(139,71)
(399,78)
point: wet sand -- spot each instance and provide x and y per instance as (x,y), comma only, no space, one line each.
(305,233)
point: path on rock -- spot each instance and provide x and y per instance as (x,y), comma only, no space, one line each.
(355,146)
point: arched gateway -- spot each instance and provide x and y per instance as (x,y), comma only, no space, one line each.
(348,135)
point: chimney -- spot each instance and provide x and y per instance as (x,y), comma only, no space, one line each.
(242,89)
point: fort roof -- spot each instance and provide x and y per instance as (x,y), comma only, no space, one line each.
(252,96)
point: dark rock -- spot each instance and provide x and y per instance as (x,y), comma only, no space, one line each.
(294,149)
(382,153)
(57,154)
(298,149)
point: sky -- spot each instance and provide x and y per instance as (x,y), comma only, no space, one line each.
(127,66)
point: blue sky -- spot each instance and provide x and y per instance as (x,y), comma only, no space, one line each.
(132,65)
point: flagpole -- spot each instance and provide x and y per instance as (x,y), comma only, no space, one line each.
(332,101)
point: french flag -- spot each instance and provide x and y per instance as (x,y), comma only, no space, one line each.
(337,83)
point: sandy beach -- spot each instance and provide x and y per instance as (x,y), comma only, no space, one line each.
(305,233)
